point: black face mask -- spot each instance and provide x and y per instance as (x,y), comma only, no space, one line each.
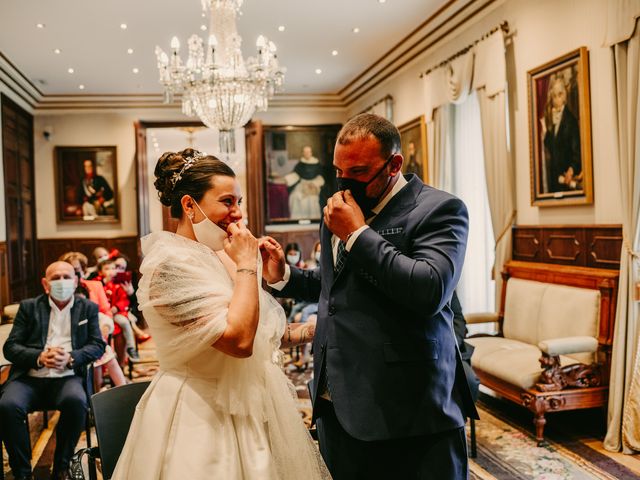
(359,189)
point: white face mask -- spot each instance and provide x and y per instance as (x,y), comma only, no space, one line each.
(208,233)
(62,290)
(317,255)
(293,259)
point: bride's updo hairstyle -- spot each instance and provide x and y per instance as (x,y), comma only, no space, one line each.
(187,172)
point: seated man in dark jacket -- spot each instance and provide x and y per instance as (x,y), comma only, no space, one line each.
(53,337)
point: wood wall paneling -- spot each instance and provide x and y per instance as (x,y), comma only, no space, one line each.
(605,246)
(564,245)
(596,246)
(527,244)
(52,248)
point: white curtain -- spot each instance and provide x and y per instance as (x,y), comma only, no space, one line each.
(476,290)
(624,396)
(482,68)
(500,179)
(439,147)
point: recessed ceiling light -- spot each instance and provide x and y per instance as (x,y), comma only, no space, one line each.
(130,51)
(57,51)
(281,28)
(81,87)
(70,70)
(334,52)
(381,1)
(123,26)
(40,25)
(135,70)
(203,27)
(318,71)
(355,30)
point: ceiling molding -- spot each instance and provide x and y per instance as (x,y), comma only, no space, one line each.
(448,19)
(429,34)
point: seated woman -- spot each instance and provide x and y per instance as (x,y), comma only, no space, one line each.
(93,291)
(220,405)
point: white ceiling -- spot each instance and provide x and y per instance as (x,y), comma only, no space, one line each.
(91,41)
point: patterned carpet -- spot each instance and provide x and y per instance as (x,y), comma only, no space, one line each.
(506,448)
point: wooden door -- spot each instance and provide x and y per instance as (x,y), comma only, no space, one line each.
(19,191)
(254,141)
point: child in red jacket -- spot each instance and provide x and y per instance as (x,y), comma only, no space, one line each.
(119,302)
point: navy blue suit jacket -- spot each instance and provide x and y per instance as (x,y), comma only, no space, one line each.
(28,335)
(384,331)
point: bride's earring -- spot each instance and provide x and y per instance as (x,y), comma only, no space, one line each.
(191,215)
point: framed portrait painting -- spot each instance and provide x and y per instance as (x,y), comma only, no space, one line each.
(560,131)
(86,184)
(413,137)
(299,172)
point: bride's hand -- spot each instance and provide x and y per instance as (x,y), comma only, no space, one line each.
(241,246)
(272,260)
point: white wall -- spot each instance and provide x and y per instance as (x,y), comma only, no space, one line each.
(544,30)
(85,130)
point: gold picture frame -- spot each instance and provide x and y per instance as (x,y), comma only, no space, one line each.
(560,131)
(86,185)
(413,136)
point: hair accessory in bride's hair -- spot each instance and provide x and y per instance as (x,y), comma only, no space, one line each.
(188,163)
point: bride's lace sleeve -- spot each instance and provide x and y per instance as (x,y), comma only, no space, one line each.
(190,295)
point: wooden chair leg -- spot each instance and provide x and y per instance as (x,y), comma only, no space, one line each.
(539,421)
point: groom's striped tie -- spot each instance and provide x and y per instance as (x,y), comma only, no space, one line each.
(341,258)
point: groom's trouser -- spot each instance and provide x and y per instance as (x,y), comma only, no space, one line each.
(440,456)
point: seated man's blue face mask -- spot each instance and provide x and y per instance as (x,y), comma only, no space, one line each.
(62,289)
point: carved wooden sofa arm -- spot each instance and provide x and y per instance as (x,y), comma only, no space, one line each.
(555,377)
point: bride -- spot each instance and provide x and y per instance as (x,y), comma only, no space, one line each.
(220,406)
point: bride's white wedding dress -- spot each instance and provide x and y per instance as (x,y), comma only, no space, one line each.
(207,415)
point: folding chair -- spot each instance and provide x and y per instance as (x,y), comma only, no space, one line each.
(113,412)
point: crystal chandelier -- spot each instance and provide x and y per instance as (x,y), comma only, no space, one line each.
(216,83)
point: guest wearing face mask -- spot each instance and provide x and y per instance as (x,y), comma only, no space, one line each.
(294,255)
(54,335)
(314,259)
(99,254)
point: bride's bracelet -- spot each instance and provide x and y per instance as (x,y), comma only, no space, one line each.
(247,271)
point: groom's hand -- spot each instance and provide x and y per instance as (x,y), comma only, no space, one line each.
(272,260)
(342,215)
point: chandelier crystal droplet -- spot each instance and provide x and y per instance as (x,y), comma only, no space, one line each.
(216,83)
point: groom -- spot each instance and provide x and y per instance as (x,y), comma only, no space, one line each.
(389,396)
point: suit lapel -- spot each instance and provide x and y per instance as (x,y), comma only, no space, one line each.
(397,206)
(75,319)
(326,260)
(44,314)
(389,214)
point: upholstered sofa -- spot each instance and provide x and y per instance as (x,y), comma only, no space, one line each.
(555,331)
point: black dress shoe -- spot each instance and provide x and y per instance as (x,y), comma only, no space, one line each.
(133,354)
(24,477)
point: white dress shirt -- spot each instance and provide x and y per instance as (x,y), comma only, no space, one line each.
(58,335)
(400,183)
